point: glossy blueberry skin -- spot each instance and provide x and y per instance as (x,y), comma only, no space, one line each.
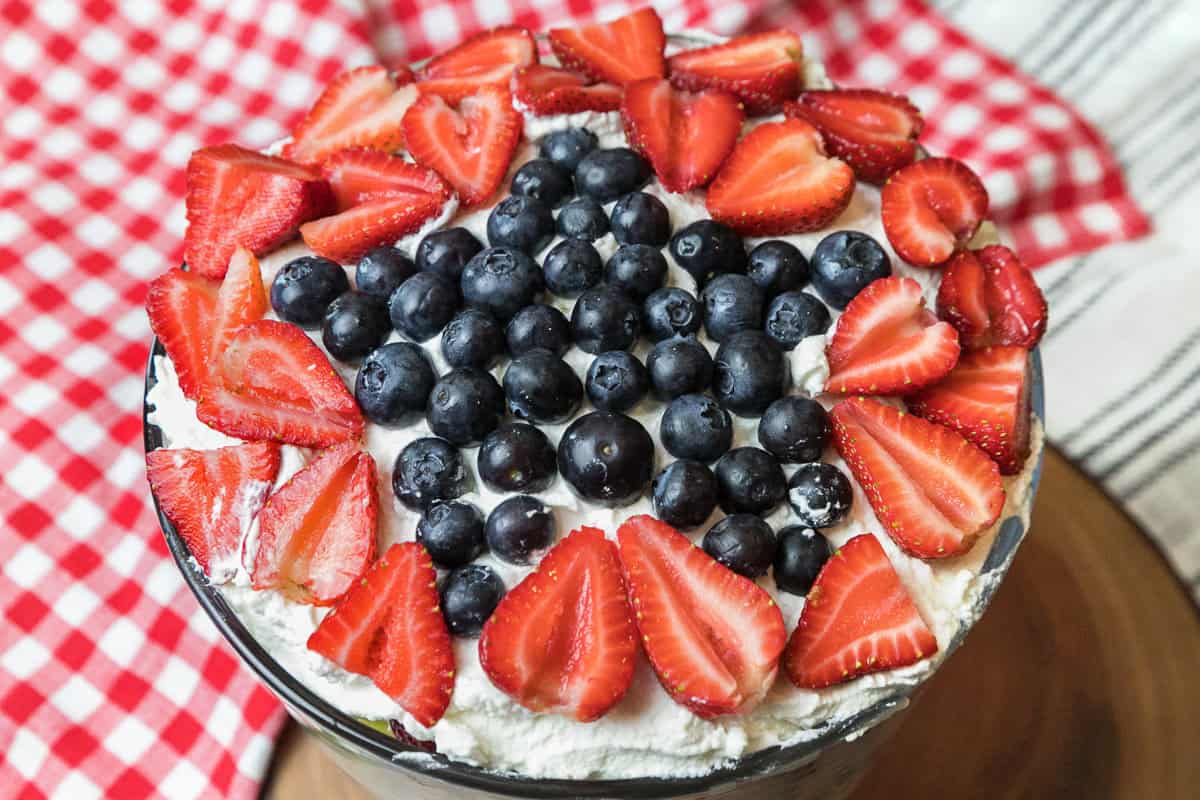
(472,338)
(465,405)
(605,175)
(501,281)
(606,457)
(799,556)
(640,218)
(820,494)
(428,470)
(743,543)
(382,270)
(423,305)
(567,148)
(605,318)
(695,427)
(520,529)
(304,287)
(355,324)
(750,373)
(636,269)
(468,597)
(517,457)
(452,532)
(394,383)
(794,429)
(684,494)
(544,181)
(750,480)
(707,248)
(731,303)
(541,387)
(844,263)
(582,218)
(572,267)
(679,366)
(616,381)
(777,266)
(793,317)
(538,326)
(521,223)
(447,251)
(670,311)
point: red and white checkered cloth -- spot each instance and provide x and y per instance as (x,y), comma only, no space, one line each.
(113,683)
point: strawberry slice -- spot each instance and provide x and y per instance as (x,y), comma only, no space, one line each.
(685,135)
(932,208)
(389,627)
(778,180)
(359,108)
(548,90)
(992,299)
(621,51)
(563,639)
(211,496)
(486,59)
(317,533)
(182,307)
(761,69)
(887,342)
(934,491)
(237,196)
(713,637)
(242,299)
(858,619)
(470,147)
(986,399)
(874,132)
(358,175)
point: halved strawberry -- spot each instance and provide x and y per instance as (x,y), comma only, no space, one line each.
(182,307)
(563,639)
(317,533)
(548,90)
(887,342)
(624,50)
(242,299)
(931,208)
(211,496)
(858,619)
(934,491)
(237,196)
(761,69)
(389,627)
(359,108)
(778,180)
(486,59)
(470,147)
(992,298)
(713,637)
(358,175)
(685,135)
(874,132)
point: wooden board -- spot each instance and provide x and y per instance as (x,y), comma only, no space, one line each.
(1082,679)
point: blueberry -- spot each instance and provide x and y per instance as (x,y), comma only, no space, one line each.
(636,269)
(568,147)
(604,318)
(679,366)
(428,470)
(606,457)
(469,595)
(538,326)
(750,480)
(520,529)
(607,174)
(544,181)
(799,556)
(640,218)
(749,373)
(731,303)
(452,532)
(382,270)
(695,427)
(423,305)
(465,405)
(685,494)
(522,223)
(844,263)
(743,543)
(394,382)
(541,387)
(472,338)
(355,324)
(447,251)
(794,429)
(571,267)
(820,494)
(707,248)
(517,457)
(304,287)
(501,281)
(616,381)
(670,311)
(582,218)
(777,266)
(794,316)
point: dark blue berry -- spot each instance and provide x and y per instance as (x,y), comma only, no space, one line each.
(636,269)
(606,457)
(679,366)
(794,429)
(605,318)
(750,480)
(777,266)
(685,494)
(749,373)
(794,316)
(428,470)
(382,270)
(501,281)
(452,532)
(640,218)
(799,556)
(707,248)
(607,174)
(670,311)
(731,303)
(616,381)
(844,263)
(472,338)
(465,405)
(304,287)
(820,494)
(567,148)
(394,382)
(538,326)
(522,223)
(447,251)
(423,305)
(572,267)
(517,457)
(696,428)
(469,595)
(582,218)
(355,324)
(541,387)
(743,543)
(544,181)
(520,529)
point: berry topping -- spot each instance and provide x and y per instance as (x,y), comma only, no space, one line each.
(544,181)
(582,218)
(844,263)
(572,266)
(707,248)
(820,495)
(355,324)
(605,175)
(240,300)
(670,311)
(605,318)
(501,281)
(992,299)
(182,308)
(541,387)
(641,219)
(799,556)
(382,270)
(777,266)
(423,305)
(472,339)
(465,405)
(538,326)
(750,481)
(452,532)
(621,51)
(304,288)
(520,529)
(547,91)
(394,383)
(606,457)
(685,494)
(874,132)
(517,457)
(932,208)
(743,543)
(566,148)
(732,303)
(521,223)
(794,316)
(636,269)
(469,596)
(761,69)
(794,429)
(427,471)
(695,427)
(749,373)
(359,108)
(679,366)
(616,381)
(488,58)
(447,252)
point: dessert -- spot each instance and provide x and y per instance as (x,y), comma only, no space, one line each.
(569,436)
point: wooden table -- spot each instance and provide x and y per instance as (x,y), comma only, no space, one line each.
(1080,681)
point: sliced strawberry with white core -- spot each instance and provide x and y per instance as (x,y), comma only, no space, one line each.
(358,175)
(932,208)
(874,132)
(242,299)
(486,59)
(761,69)
(992,299)
(548,90)
(182,307)
(359,108)
(621,51)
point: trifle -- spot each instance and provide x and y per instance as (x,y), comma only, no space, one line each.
(617,406)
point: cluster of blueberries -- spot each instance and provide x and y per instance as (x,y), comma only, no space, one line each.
(484,303)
